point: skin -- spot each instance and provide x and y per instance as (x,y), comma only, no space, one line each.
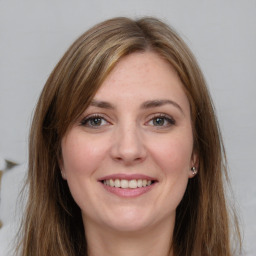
(127,138)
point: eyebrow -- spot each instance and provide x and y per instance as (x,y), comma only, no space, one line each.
(101,104)
(144,105)
(159,103)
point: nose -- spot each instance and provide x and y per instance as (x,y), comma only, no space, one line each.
(128,145)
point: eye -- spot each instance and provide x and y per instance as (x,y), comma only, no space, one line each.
(94,121)
(161,121)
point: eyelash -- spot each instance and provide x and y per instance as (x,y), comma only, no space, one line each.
(170,121)
(166,118)
(85,121)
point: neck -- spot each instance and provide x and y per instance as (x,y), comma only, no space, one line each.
(153,241)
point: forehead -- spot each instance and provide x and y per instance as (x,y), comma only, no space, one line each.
(146,66)
(142,76)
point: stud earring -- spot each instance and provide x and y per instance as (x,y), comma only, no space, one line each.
(194,170)
(63,175)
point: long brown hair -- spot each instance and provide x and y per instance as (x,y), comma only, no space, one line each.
(52,224)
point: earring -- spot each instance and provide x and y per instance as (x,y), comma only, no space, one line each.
(63,175)
(194,170)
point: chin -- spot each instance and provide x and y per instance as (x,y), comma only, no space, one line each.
(129,226)
(130,220)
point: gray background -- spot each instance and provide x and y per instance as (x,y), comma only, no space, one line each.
(221,33)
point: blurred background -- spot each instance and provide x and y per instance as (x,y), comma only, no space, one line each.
(221,33)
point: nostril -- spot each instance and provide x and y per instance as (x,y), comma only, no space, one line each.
(129,160)
(127,146)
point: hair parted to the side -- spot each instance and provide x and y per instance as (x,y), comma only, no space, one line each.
(53,224)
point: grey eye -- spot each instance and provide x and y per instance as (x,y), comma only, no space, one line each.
(162,121)
(159,121)
(95,121)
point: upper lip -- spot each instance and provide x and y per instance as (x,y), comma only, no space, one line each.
(127,177)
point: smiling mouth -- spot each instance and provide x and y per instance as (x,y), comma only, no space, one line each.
(123,183)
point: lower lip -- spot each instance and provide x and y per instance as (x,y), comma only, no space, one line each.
(128,192)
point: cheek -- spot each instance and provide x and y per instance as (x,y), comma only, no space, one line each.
(80,156)
(173,157)
(81,159)
(173,154)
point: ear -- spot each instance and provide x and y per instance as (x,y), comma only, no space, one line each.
(63,174)
(61,167)
(62,171)
(194,165)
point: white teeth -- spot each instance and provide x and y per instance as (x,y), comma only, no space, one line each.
(132,184)
(111,183)
(117,183)
(127,183)
(124,184)
(144,183)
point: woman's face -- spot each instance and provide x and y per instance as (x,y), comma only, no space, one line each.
(127,160)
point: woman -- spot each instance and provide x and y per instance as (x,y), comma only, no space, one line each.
(126,157)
